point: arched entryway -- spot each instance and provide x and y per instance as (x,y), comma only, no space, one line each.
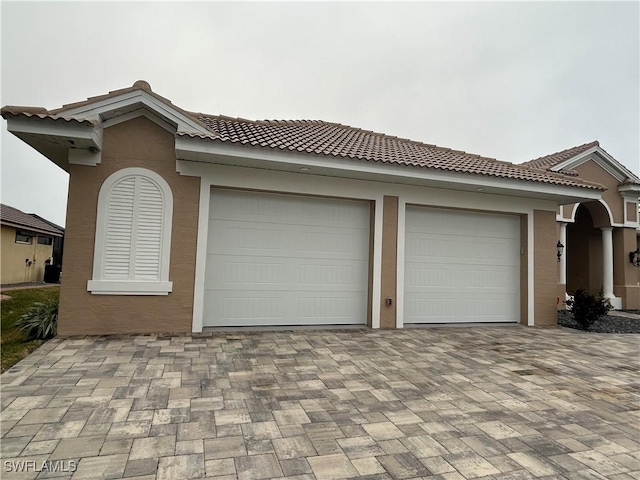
(584,253)
(588,259)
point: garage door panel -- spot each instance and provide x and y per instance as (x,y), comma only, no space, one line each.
(433,248)
(431,277)
(285,260)
(237,271)
(236,238)
(450,308)
(461,266)
(453,222)
(285,308)
(257,207)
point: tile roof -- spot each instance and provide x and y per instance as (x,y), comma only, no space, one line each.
(334,139)
(13,112)
(28,220)
(552,159)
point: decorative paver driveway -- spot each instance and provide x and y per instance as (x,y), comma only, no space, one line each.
(450,403)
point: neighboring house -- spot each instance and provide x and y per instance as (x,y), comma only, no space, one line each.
(180,221)
(598,235)
(58,243)
(27,246)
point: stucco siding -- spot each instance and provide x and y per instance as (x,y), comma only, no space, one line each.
(136,143)
(611,196)
(545,268)
(625,275)
(389,262)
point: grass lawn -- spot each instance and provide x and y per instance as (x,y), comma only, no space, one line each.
(14,345)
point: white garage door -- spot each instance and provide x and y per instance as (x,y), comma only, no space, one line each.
(285,260)
(461,267)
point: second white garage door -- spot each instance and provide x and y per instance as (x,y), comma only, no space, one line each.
(285,260)
(461,267)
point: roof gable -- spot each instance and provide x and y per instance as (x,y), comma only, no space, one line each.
(603,159)
(566,161)
(127,100)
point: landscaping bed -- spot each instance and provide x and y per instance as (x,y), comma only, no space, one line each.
(606,324)
(14,345)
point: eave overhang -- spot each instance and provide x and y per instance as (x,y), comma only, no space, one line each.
(73,135)
(61,140)
(194,150)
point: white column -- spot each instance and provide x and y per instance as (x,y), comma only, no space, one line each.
(563,258)
(607,263)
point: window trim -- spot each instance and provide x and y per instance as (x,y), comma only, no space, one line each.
(45,237)
(24,233)
(100,286)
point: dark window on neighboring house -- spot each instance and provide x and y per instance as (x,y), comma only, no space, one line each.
(45,240)
(23,236)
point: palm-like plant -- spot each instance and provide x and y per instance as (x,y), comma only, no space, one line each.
(41,320)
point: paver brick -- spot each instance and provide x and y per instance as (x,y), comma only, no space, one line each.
(440,403)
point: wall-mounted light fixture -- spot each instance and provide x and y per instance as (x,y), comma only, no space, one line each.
(634,258)
(560,249)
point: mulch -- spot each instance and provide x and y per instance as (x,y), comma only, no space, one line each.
(606,324)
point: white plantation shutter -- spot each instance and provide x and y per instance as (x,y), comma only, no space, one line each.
(146,264)
(133,235)
(120,211)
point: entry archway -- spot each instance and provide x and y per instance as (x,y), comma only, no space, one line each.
(589,250)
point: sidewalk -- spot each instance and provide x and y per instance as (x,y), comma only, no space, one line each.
(22,286)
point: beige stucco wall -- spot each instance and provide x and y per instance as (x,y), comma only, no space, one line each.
(14,268)
(389,280)
(632,212)
(136,143)
(545,268)
(595,173)
(625,275)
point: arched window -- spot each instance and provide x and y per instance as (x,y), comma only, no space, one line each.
(133,235)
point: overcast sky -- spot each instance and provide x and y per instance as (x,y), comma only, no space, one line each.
(510,80)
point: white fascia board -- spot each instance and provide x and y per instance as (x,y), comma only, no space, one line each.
(95,109)
(56,128)
(198,150)
(602,158)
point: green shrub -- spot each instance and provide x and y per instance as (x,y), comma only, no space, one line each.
(587,308)
(40,321)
